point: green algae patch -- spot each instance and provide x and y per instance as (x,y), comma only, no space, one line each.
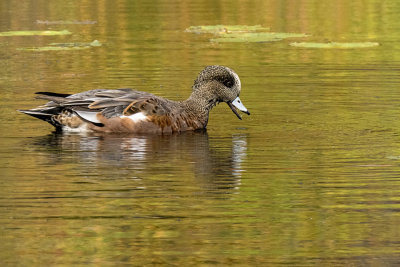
(242,33)
(63,46)
(94,43)
(34,33)
(220,29)
(256,37)
(335,45)
(66,22)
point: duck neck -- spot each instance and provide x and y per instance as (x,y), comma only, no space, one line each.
(199,103)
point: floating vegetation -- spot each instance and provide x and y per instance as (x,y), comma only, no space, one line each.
(258,37)
(393,157)
(242,33)
(218,29)
(63,46)
(335,45)
(94,43)
(66,22)
(34,33)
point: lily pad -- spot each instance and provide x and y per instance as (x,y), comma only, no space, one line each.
(218,29)
(94,43)
(64,22)
(242,33)
(335,45)
(63,46)
(34,33)
(256,37)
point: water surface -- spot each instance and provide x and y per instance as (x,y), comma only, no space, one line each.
(312,177)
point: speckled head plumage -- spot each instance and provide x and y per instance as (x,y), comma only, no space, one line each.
(223,75)
(223,84)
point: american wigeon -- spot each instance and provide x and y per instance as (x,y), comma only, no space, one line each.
(127,110)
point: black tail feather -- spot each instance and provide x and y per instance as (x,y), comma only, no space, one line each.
(52,94)
(42,115)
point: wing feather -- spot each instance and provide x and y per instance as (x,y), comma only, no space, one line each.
(111,103)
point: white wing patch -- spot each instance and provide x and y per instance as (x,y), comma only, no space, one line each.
(88,116)
(91,116)
(136,117)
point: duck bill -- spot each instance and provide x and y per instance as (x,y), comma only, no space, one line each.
(237,105)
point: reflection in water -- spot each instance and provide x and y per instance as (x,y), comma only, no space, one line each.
(186,154)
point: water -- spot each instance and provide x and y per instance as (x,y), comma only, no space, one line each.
(312,177)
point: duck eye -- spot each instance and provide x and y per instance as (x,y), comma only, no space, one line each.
(228,83)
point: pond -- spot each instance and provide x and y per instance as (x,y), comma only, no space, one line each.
(311,177)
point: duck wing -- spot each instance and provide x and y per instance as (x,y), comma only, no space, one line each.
(109,103)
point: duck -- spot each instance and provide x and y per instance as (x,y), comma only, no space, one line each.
(130,111)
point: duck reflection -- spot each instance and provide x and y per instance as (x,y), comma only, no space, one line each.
(214,163)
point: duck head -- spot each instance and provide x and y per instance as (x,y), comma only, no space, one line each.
(224,84)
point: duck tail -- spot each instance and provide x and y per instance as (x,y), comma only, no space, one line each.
(42,114)
(52,94)
(47,112)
